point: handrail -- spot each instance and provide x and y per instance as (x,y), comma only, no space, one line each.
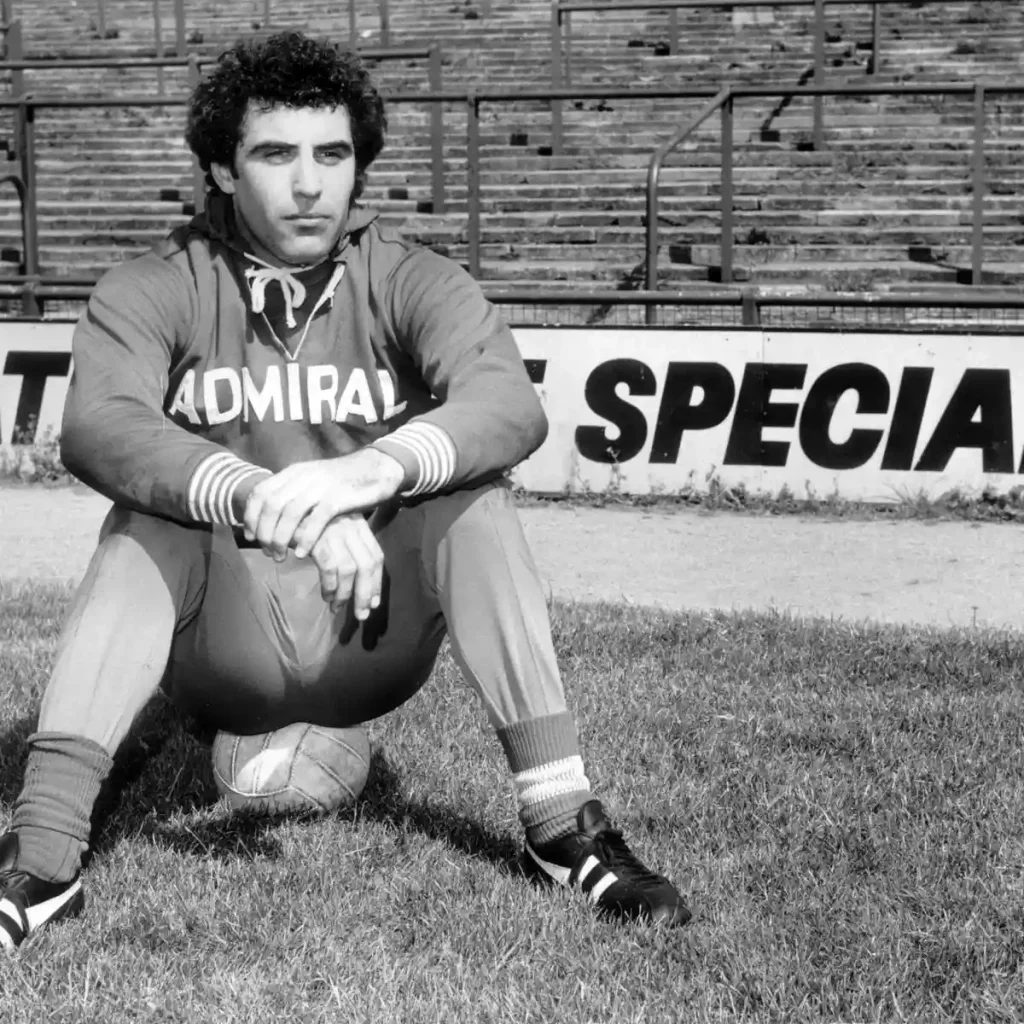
(724,101)
(751,299)
(561,11)
(700,296)
(179,20)
(194,62)
(640,5)
(61,63)
(958,88)
(654,174)
(28,103)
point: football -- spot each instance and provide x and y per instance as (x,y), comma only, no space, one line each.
(299,768)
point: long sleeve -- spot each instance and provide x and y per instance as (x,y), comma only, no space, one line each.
(489,418)
(116,436)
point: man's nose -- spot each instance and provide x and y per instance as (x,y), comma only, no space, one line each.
(307,180)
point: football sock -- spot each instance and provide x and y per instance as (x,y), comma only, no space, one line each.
(548,774)
(53,812)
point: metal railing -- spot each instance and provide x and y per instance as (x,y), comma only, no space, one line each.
(180,17)
(722,100)
(724,103)
(27,103)
(30,257)
(750,307)
(561,38)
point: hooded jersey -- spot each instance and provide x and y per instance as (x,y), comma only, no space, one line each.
(196,366)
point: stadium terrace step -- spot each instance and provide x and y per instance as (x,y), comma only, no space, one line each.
(756,256)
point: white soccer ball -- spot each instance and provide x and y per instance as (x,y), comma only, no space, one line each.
(299,768)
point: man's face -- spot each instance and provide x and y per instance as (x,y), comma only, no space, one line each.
(295,170)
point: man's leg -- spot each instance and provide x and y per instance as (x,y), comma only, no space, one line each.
(144,577)
(497,618)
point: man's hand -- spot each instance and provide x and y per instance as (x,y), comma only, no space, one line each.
(351,565)
(292,507)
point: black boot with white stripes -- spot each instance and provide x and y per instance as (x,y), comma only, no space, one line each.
(597,860)
(27,902)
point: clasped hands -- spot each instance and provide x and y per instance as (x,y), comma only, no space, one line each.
(316,509)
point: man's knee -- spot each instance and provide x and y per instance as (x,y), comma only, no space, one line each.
(476,537)
(472,513)
(155,532)
(137,543)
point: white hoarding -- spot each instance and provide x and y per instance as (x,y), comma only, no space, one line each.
(869,416)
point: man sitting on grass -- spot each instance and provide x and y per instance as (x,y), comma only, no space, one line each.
(305,425)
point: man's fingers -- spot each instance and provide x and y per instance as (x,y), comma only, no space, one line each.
(309,531)
(292,515)
(348,549)
(369,574)
(328,584)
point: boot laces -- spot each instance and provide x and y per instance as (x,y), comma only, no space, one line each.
(620,858)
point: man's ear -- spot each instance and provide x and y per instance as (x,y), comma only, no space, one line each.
(224,176)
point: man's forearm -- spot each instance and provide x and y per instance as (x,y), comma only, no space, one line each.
(369,476)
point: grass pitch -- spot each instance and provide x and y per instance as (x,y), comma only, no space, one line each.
(844,805)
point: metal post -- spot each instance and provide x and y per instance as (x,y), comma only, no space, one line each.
(876,35)
(819,70)
(158,37)
(353,32)
(652,241)
(473,181)
(556,75)
(180,43)
(751,308)
(978,184)
(15,51)
(436,132)
(567,41)
(726,239)
(198,175)
(101,19)
(385,23)
(673,31)
(266,13)
(28,176)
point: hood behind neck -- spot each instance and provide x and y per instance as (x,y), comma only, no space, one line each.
(218,222)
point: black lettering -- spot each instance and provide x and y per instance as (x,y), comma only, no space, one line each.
(34,368)
(872,397)
(678,413)
(593,442)
(755,412)
(536,368)
(907,414)
(983,392)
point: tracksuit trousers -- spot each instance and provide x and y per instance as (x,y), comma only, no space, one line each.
(247,644)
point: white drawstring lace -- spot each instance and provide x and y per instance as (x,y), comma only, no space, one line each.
(292,288)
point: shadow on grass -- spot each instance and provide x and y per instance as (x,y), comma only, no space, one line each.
(239,835)
(13,750)
(382,802)
(162,774)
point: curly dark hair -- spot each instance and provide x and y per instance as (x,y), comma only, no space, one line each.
(286,69)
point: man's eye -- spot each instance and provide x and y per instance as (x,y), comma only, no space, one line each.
(277,155)
(333,156)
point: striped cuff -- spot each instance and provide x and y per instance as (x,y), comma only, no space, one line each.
(546,782)
(432,451)
(213,484)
